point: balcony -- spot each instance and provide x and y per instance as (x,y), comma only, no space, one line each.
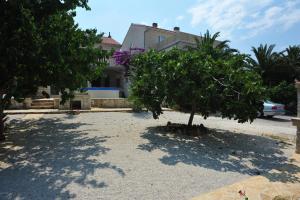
(179,39)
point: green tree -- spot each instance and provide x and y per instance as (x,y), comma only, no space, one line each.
(279,71)
(274,67)
(41,45)
(264,55)
(206,79)
(292,57)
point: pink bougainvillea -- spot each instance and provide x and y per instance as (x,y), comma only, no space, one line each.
(124,57)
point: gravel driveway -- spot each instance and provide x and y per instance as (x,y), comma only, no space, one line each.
(128,156)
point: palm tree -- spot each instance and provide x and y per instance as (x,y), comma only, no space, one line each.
(209,43)
(264,57)
(292,57)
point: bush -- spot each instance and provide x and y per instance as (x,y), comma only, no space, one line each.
(286,94)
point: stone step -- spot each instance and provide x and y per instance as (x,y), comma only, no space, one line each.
(42,100)
(42,103)
(42,107)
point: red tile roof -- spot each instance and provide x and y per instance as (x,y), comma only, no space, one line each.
(109,41)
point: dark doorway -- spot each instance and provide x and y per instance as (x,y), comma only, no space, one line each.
(76,105)
(107,82)
(118,81)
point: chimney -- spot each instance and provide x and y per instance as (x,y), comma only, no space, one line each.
(155,25)
(176,28)
(109,36)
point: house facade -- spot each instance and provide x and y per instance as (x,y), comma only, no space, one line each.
(111,83)
(114,83)
(111,88)
(153,37)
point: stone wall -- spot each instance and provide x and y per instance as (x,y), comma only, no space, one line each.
(40,91)
(97,94)
(298,97)
(296,121)
(111,103)
(85,101)
(16,105)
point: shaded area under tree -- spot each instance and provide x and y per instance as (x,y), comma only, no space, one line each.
(222,150)
(46,156)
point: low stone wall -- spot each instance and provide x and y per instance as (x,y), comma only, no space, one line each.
(111,103)
(16,105)
(107,94)
(84,100)
(296,121)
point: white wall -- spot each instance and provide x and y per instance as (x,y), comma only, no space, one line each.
(134,37)
(98,94)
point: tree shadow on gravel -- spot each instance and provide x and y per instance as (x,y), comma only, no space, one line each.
(224,151)
(142,115)
(47,155)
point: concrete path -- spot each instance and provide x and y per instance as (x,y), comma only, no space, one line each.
(57,111)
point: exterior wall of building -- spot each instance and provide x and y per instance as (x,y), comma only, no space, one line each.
(147,37)
(113,77)
(109,78)
(177,44)
(134,37)
(179,39)
(153,35)
(110,83)
(109,47)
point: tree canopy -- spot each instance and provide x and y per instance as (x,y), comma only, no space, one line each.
(41,45)
(274,67)
(206,79)
(279,71)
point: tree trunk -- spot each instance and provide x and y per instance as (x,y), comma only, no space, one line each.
(192,115)
(2,120)
(298,141)
(191,118)
(2,116)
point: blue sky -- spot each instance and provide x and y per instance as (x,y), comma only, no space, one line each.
(245,23)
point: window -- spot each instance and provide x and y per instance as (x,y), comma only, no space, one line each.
(161,38)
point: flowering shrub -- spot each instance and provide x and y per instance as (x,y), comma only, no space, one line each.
(124,57)
(243,194)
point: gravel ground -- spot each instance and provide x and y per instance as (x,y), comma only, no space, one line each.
(128,156)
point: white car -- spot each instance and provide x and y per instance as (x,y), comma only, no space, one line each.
(271,109)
